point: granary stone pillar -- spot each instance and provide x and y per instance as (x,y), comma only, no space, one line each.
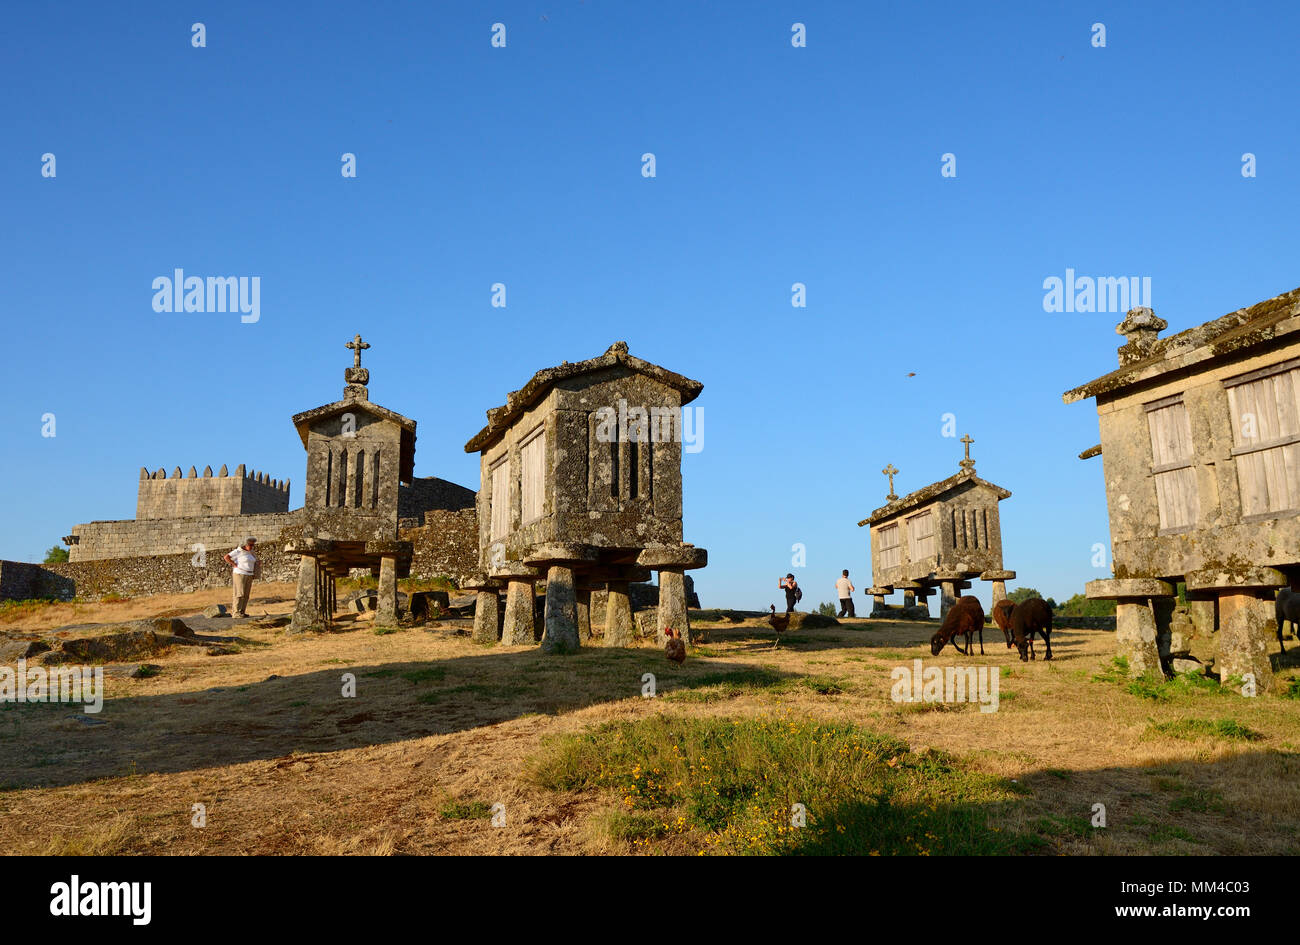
(909,598)
(1203,614)
(878,595)
(999,579)
(672,604)
(620,629)
(561,615)
(583,602)
(1142,605)
(562,634)
(304,601)
(947,591)
(309,611)
(518,622)
(518,628)
(487,608)
(672,562)
(1246,601)
(1244,639)
(386,605)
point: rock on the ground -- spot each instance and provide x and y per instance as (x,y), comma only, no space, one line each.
(216,610)
(13,650)
(1187,665)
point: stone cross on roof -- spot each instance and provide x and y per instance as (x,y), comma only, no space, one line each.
(357,346)
(891,472)
(967,463)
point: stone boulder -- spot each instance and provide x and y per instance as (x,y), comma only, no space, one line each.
(114,647)
(13,650)
(216,610)
(424,603)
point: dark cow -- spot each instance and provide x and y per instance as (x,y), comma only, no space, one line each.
(1287,608)
(1030,617)
(965,617)
(1002,617)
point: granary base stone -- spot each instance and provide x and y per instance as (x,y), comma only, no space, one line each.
(947,597)
(1136,636)
(304,608)
(1244,638)
(619,627)
(583,600)
(386,611)
(672,605)
(486,616)
(518,628)
(561,612)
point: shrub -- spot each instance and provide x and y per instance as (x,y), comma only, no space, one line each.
(56,555)
(717,785)
(827,610)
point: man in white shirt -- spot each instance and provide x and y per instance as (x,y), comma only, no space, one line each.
(244,565)
(844,588)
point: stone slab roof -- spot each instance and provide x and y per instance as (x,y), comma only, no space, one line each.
(499,418)
(406,461)
(930,493)
(1231,333)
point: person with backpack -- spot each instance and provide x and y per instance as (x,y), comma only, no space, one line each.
(793,593)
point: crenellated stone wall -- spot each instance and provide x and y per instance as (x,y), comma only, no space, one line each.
(198,496)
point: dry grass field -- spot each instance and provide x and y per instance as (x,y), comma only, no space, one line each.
(440,730)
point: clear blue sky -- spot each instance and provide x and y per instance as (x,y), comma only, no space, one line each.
(521,165)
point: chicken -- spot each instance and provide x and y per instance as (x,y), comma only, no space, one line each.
(675,647)
(780,623)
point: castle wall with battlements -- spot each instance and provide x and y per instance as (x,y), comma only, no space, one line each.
(201,496)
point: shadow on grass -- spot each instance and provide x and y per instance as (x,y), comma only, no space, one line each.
(44,744)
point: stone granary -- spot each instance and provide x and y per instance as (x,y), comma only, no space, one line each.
(357,454)
(581,485)
(1200,447)
(943,535)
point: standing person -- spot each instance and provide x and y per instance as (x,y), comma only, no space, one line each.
(844,588)
(244,565)
(793,593)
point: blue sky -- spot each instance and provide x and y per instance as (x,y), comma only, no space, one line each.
(521,165)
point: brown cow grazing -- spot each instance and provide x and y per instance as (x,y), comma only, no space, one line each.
(1002,617)
(1030,617)
(965,617)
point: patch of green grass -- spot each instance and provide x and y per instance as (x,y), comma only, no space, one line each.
(1058,773)
(1154,686)
(147,671)
(1292,690)
(822,685)
(1196,729)
(1199,802)
(714,687)
(764,785)
(1163,833)
(1169,784)
(466,810)
(428,674)
(482,690)
(385,631)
